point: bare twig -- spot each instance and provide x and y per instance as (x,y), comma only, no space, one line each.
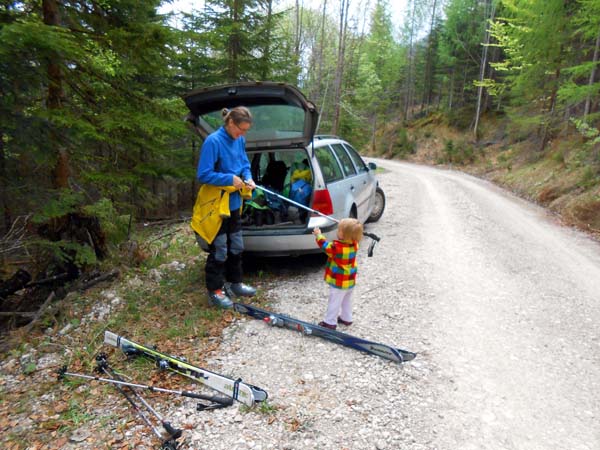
(13,239)
(17,313)
(98,279)
(39,313)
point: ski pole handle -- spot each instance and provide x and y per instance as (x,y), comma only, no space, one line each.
(372,236)
(174,433)
(215,399)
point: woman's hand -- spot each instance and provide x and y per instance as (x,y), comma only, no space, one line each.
(316,231)
(250,184)
(237,182)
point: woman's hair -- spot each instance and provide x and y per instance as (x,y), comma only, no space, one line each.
(239,114)
(352,229)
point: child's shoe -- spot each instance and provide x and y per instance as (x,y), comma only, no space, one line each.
(344,322)
(326,325)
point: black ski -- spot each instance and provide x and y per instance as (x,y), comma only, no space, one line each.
(385,351)
(236,389)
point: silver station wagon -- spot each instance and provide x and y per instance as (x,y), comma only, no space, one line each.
(321,173)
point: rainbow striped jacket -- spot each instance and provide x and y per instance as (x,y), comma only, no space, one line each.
(341,262)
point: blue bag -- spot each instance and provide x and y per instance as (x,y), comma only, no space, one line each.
(300,192)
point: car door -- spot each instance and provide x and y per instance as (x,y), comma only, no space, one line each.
(354,180)
(367,179)
(337,185)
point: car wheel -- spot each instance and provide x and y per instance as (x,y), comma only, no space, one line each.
(379,206)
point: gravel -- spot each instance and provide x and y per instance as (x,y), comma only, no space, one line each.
(499,302)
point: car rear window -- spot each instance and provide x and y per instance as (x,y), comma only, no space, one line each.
(270,121)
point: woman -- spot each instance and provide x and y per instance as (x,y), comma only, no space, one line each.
(224,165)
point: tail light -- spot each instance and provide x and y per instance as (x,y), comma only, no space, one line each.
(322,202)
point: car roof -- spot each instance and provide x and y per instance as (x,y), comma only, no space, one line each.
(283,117)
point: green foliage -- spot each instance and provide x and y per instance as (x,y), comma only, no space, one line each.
(114,225)
(67,252)
(67,202)
(403,145)
(29,368)
(459,47)
(590,177)
(591,134)
(117,118)
(558,157)
(242,40)
(460,118)
(75,415)
(461,153)
(581,83)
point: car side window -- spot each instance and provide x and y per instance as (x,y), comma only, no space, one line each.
(345,160)
(358,161)
(328,163)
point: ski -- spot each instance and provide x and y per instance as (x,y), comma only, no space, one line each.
(274,319)
(236,389)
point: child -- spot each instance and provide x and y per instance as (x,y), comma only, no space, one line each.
(340,272)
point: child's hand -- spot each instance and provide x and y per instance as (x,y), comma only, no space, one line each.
(316,231)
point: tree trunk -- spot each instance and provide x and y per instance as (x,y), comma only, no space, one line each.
(588,100)
(298,33)
(428,83)
(483,65)
(339,73)
(319,81)
(266,66)
(7,217)
(451,95)
(62,169)
(234,44)
(373,134)
(55,91)
(548,122)
(409,74)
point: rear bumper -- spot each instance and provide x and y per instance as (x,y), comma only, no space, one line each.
(282,243)
(285,242)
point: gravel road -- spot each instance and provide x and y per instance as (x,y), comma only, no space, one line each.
(499,300)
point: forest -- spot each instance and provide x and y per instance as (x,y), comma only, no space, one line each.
(92,126)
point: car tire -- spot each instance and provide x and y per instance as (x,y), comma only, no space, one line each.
(379,206)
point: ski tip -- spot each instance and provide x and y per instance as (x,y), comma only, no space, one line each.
(111,338)
(407,356)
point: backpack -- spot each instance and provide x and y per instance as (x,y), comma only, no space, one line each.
(301,191)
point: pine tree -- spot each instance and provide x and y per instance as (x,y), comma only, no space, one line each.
(88,104)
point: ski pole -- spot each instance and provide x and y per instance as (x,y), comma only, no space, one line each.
(173,433)
(222,401)
(170,443)
(373,236)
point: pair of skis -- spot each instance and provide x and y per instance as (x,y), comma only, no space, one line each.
(280,320)
(236,389)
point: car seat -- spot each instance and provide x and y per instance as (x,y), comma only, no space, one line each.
(275,175)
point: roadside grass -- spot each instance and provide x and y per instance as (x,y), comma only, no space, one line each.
(565,177)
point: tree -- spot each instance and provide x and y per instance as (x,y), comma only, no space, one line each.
(339,71)
(533,62)
(459,49)
(86,88)
(582,85)
(490,13)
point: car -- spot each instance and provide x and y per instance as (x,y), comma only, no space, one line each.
(298,172)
